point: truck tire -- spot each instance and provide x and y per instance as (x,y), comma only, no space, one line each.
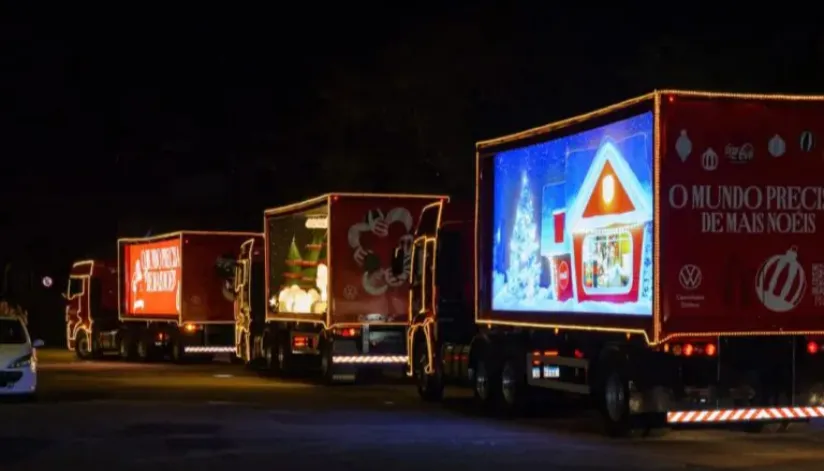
(612,395)
(327,367)
(430,387)
(270,359)
(126,348)
(283,359)
(144,349)
(514,388)
(177,352)
(83,346)
(487,383)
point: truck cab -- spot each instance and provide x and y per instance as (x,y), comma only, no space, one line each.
(441,308)
(250,300)
(91,307)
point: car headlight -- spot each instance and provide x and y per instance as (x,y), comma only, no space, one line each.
(21,362)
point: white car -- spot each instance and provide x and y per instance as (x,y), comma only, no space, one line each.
(18,359)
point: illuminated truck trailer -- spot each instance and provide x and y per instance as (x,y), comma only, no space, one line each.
(336,285)
(168,296)
(661,256)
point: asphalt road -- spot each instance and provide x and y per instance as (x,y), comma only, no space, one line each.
(113,415)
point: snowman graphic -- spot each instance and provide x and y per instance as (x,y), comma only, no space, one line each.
(376,260)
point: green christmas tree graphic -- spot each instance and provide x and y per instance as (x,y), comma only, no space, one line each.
(311,260)
(294,266)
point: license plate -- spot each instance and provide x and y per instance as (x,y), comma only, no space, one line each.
(552,372)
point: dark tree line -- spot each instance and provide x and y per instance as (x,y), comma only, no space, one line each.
(207,131)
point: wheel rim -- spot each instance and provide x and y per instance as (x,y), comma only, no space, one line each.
(615,397)
(481,380)
(508,384)
(141,350)
(124,350)
(268,356)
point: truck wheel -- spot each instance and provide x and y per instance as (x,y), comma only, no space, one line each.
(487,384)
(283,359)
(178,352)
(327,367)
(126,348)
(144,350)
(82,347)
(270,359)
(613,396)
(514,389)
(430,387)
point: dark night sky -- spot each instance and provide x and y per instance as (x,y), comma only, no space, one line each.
(168,120)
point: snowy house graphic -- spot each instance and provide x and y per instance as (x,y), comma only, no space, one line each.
(606,224)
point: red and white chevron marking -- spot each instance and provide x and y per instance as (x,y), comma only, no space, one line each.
(216,349)
(743,415)
(377,359)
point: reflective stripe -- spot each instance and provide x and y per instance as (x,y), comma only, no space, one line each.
(225,349)
(400,359)
(743,415)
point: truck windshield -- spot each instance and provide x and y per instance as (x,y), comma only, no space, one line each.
(450,268)
(12,332)
(75,287)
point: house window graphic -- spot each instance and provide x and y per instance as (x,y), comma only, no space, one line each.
(607,227)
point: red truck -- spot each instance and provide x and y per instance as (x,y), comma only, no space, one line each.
(170,295)
(336,284)
(660,256)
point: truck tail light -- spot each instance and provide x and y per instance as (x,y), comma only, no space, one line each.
(689,349)
(710,350)
(813,347)
(189,327)
(347,332)
(300,341)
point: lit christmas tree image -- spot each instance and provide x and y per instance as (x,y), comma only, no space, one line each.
(311,260)
(524,272)
(294,266)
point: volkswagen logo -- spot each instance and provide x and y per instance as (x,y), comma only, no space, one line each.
(690,277)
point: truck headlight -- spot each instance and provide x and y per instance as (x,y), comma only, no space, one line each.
(21,362)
